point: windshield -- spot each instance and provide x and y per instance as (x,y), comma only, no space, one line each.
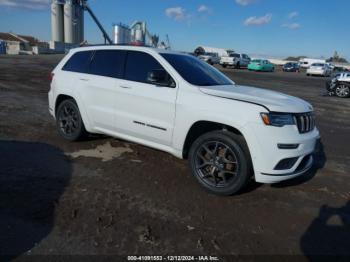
(235,55)
(195,71)
(256,61)
(317,64)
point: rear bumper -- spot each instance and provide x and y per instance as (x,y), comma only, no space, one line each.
(51,103)
(227,63)
(316,72)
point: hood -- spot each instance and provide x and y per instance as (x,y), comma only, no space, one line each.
(274,101)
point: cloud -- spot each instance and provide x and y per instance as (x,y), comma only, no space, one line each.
(177,13)
(245,2)
(26,4)
(253,20)
(293,14)
(292,26)
(203,9)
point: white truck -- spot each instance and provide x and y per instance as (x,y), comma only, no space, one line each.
(235,59)
(181,105)
(210,58)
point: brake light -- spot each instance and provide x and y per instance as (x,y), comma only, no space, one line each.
(51,77)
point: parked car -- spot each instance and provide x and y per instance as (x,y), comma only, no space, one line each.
(307,62)
(261,65)
(210,58)
(236,60)
(181,105)
(291,67)
(320,69)
(339,85)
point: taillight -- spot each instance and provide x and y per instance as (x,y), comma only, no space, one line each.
(51,77)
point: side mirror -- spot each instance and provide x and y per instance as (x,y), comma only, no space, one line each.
(159,77)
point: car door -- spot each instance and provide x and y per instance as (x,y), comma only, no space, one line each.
(145,110)
(100,87)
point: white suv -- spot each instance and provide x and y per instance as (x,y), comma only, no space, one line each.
(179,104)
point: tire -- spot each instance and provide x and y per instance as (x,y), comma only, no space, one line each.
(69,122)
(342,90)
(238,66)
(272,69)
(221,163)
(224,66)
(307,74)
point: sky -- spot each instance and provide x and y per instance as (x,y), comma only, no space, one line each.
(275,28)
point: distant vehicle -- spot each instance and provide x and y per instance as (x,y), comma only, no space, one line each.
(320,69)
(339,85)
(261,65)
(331,66)
(291,67)
(181,105)
(210,58)
(307,62)
(236,60)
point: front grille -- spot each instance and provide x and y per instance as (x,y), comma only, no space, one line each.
(305,122)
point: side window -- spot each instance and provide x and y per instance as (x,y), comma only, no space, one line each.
(108,63)
(139,65)
(78,62)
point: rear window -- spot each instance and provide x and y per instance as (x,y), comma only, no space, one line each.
(108,63)
(78,62)
(318,64)
(235,55)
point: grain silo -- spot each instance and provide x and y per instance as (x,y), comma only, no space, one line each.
(57,25)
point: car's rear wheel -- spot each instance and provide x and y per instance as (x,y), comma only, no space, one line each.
(220,161)
(342,90)
(238,66)
(69,122)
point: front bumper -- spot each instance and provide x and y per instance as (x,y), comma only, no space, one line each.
(266,155)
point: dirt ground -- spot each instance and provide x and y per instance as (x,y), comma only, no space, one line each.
(107,196)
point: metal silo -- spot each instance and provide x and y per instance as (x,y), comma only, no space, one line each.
(70,23)
(57,25)
(81,24)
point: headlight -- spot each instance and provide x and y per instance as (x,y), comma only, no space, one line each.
(277,119)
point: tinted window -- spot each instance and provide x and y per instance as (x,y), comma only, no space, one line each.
(108,63)
(78,62)
(235,55)
(138,65)
(195,71)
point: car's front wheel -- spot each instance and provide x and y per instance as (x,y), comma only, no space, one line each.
(69,122)
(220,161)
(342,90)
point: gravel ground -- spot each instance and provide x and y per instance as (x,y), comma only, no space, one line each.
(112,197)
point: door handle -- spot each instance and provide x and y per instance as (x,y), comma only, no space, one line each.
(84,79)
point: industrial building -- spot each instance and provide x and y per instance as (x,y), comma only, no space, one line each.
(14,44)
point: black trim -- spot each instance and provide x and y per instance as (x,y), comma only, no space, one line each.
(156,127)
(149,125)
(304,170)
(139,123)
